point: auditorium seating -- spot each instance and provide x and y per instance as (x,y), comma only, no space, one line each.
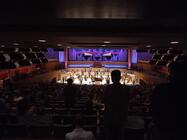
(63,119)
(17,130)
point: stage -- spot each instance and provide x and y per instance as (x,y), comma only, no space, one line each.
(92,66)
(95,76)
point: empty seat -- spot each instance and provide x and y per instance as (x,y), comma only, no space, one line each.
(168,57)
(101,120)
(157,56)
(17,130)
(69,119)
(175,51)
(135,128)
(40,131)
(134,134)
(162,51)
(49,110)
(12,118)
(153,61)
(81,101)
(90,119)
(92,128)
(54,105)
(79,105)
(59,131)
(76,110)
(101,132)
(3,119)
(90,111)
(60,101)
(2,130)
(101,112)
(162,63)
(2,58)
(58,119)
(60,111)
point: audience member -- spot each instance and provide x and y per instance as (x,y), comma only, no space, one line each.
(22,106)
(116,98)
(89,104)
(4,109)
(17,97)
(69,94)
(40,117)
(79,133)
(3,106)
(169,104)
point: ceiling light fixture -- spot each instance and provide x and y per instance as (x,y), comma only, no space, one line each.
(16,44)
(148,46)
(2,45)
(42,40)
(107,42)
(59,45)
(103,45)
(174,42)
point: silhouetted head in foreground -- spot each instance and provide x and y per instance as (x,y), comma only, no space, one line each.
(70,81)
(116,76)
(178,71)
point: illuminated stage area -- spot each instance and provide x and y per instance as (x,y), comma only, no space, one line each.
(92,66)
(97,54)
(97,58)
(95,76)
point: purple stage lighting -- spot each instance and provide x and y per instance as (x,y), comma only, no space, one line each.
(97,54)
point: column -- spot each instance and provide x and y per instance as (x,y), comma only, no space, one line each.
(66,58)
(129,59)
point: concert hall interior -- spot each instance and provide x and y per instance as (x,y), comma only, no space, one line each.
(46,45)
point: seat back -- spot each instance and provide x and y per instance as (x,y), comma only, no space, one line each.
(59,131)
(17,130)
(40,131)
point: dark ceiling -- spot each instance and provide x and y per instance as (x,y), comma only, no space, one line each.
(131,23)
(93,9)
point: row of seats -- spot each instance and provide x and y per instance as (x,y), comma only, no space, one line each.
(63,105)
(59,131)
(56,119)
(69,119)
(70,111)
(40,131)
